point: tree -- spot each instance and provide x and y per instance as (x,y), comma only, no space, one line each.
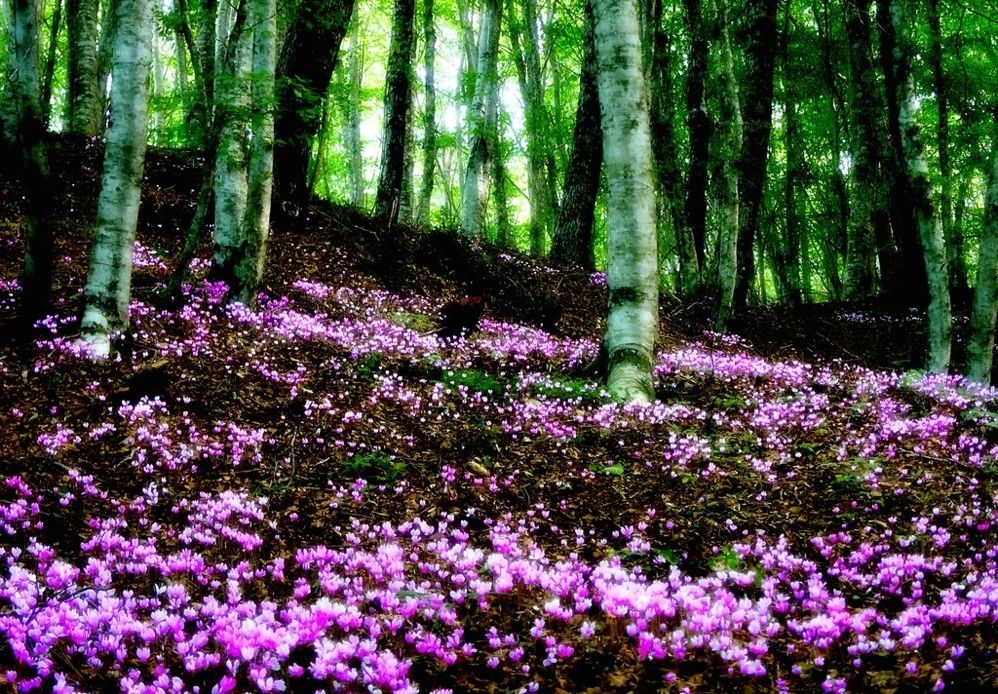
(981,346)
(429,115)
(109,278)
(23,79)
(632,249)
(244,163)
(86,98)
(308,56)
(757,110)
(865,154)
(482,125)
(573,235)
(398,94)
(918,186)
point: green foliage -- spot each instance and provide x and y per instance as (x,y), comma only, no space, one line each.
(578,390)
(615,469)
(474,380)
(375,466)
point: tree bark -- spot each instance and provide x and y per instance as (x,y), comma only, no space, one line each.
(398,93)
(981,345)
(632,251)
(757,124)
(429,115)
(24,81)
(866,104)
(727,255)
(573,235)
(109,279)
(927,220)
(482,122)
(86,97)
(308,57)
(698,125)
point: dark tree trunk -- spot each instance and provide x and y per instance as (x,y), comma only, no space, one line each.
(669,177)
(573,235)
(85,98)
(757,125)
(864,146)
(698,123)
(305,67)
(398,93)
(909,283)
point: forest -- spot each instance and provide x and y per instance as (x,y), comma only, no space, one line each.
(487,346)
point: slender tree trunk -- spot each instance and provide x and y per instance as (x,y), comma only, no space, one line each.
(787,256)
(669,178)
(864,147)
(86,95)
(698,124)
(260,173)
(757,123)
(926,218)
(232,156)
(109,279)
(526,55)
(351,117)
(308,57)
(24,80)
(573,236)
(481,122)
(727,256)
(981,345)
(429,115)
(632,252)
(50,61)
(954,241)
(398,93)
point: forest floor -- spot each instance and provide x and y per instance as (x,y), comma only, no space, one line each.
(320,495)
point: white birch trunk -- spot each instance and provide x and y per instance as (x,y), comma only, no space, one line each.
(232,157)
(109,280)
(256,227)
(480,116)
(981,346)
(632,244)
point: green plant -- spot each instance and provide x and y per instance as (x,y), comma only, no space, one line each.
(473,380)
(576,389)
(616,469)
(376,466)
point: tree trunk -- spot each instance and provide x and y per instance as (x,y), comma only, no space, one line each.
(24,81)
(727,255)
(573,236)
(109,279)
(632,253)
(757,123)
(698,124)
(351,117)
(260,173)
(668,176)
(526,55)
(864,147)
(481,122)
(50,61)
(398,92)
(232,156)
(981,345)
(86,95)
(787,256)
(926,218)
(954,240)
(429,115)
(306,63)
